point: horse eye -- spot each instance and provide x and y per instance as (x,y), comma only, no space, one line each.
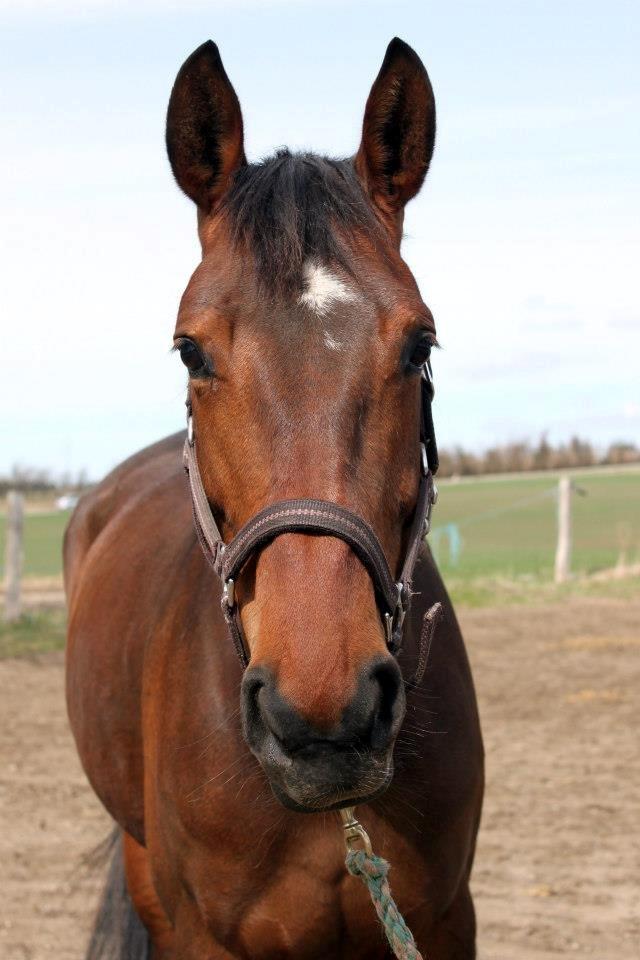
(192,358)
(420,352)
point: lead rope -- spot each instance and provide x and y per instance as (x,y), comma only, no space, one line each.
(362,862)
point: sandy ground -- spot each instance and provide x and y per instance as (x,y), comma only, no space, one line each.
(558,862)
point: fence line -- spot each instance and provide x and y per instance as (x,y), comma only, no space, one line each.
(13,556)
(563,492)
(499,511)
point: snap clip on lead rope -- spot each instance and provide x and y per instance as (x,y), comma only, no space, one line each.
(362,862)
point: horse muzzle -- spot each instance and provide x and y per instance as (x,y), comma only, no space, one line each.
(311,769)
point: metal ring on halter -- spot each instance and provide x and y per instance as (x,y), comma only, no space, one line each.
(432,502)
(427,376)
(424,460)
(393,622)
(229,592)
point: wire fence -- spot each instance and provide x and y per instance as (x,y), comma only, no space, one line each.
(509,527)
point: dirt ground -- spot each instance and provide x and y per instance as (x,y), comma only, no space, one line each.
(558,861)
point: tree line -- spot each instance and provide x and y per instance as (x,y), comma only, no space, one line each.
(519,457)
(524,456)
(41,480)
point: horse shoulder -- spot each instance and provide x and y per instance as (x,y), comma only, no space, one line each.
(97,508)
(120,549)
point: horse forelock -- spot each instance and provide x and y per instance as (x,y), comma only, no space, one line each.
(297,213)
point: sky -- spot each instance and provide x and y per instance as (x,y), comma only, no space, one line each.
(524,240)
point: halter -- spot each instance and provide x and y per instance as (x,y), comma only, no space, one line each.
(326,519)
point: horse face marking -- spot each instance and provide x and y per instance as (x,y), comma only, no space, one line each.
(330,342)
(323,289)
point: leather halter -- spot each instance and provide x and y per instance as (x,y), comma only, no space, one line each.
(326,519)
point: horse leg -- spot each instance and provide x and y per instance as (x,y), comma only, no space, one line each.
(145,898)
(453,935)
(189,939)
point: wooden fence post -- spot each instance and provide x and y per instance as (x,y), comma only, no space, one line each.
(563,547)
(13,556)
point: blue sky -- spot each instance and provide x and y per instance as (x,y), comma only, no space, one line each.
(525,239)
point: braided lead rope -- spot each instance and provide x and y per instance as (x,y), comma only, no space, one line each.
(373,870)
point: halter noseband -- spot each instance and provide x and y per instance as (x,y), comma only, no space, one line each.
(327,519)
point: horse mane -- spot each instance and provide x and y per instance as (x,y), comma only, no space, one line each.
(294,207)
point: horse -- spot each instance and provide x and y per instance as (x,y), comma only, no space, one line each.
(306,343)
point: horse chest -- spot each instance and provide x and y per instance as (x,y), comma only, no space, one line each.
(296,900)
(300,915)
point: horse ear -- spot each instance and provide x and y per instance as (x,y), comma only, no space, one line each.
(399,130)
(204,128)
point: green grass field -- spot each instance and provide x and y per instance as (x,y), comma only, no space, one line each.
(43,533)
(507,528)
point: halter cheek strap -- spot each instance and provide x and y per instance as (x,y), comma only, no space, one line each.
(325,518)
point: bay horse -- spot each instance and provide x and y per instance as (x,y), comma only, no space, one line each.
(304,336)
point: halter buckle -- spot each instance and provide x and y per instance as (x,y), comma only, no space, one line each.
(427,376)
(433,499)
(393,622)
(229,593)
(424,459)
(388,629)
(190,436)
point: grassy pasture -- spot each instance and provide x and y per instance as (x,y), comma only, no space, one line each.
(43,533)
(507,527)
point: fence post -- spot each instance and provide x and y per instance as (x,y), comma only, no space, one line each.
(13,556)
(563,547)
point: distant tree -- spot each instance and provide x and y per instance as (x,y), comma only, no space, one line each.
(492,461)
(447,464)
(543,454)
(622,453)
(42,480)
(467,464)
(581,453)
(521,456)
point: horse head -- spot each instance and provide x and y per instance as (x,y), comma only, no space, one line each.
(304,335)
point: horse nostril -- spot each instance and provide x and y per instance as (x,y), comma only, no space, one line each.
(265,713)
(370,721)
(253,682)
(388,705)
